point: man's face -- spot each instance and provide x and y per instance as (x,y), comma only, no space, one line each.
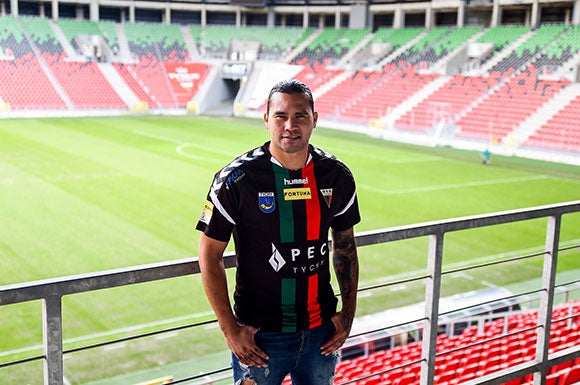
(290,122)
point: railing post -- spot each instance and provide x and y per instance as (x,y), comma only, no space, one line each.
(432,295)
(547,295)
(52,339)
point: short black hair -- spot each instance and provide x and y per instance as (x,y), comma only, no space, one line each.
(291,86)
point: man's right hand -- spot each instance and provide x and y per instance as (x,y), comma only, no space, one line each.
(241,342)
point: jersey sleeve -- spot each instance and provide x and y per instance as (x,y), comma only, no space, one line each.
(217,219)
(349,214)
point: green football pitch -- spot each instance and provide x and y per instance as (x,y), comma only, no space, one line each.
(81,195)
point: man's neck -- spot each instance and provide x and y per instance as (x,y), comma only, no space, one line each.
(291,161)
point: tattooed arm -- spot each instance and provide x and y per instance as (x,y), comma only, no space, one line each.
(345,260)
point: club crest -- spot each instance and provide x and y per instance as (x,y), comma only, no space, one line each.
(266,202)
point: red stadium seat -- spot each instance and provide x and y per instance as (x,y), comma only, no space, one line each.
(570,376)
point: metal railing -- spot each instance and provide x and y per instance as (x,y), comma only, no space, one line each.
(51,292)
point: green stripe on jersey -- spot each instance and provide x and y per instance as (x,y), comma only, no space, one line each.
(284,206)
(289,317)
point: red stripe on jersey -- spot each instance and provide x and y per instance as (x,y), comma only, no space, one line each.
(312,204)
(313,305)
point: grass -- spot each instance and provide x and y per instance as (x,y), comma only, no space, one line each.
(91,194)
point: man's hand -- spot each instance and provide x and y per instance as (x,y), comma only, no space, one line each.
(241,342)
(342,326)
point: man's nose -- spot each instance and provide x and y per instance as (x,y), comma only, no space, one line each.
(289,123)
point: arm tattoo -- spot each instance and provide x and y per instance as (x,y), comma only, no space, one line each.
(345,260)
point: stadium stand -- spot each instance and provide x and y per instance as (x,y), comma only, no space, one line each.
(559,51)
(561,131)
(473,353)
(503,35)
(526,52)
(165,66)
(72,29)
(317,75)
(369,94)
(84,83)
(23,78)
(447,102)
(397,37)
(503,110)
(165,42)
(331,45)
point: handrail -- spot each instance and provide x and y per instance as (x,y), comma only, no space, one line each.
(51,291)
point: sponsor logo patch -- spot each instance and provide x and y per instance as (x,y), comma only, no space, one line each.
(206,212)
(290,182)
(266,202)
(276,259)
(294,194)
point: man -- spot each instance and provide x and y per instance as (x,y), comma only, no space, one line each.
(279,201)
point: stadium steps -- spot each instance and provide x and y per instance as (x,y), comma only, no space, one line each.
(502,111)
(398,52)
(356,49)
(124,54)
(269,74)
(544,113)
(442,64)
(418,97)
(561,130)
(501,36)
(302,46)
(65,43)
(396,37)
(460,45)
(504,53)
(118,84)
(571,68)
(332,83)
(190,43)
(49,74)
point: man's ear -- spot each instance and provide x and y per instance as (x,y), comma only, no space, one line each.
(315,116)
(266,118)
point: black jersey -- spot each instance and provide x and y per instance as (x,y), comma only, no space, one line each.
(280,222)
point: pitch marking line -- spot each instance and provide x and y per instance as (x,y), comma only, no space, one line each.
(454,186)
(181,147)
(382,157)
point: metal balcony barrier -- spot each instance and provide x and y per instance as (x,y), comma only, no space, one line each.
(51,291)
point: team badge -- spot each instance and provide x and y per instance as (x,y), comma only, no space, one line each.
(266,202)
(327,194)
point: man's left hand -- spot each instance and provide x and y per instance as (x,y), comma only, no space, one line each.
(340,335)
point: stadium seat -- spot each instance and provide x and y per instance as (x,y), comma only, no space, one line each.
(570,376)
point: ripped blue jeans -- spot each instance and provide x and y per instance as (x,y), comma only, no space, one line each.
(297,354)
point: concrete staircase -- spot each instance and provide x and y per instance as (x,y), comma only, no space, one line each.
(190,44)
(124,54)
(118,84)
(487,66)
(414,100)
(544,113)
(65,43)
